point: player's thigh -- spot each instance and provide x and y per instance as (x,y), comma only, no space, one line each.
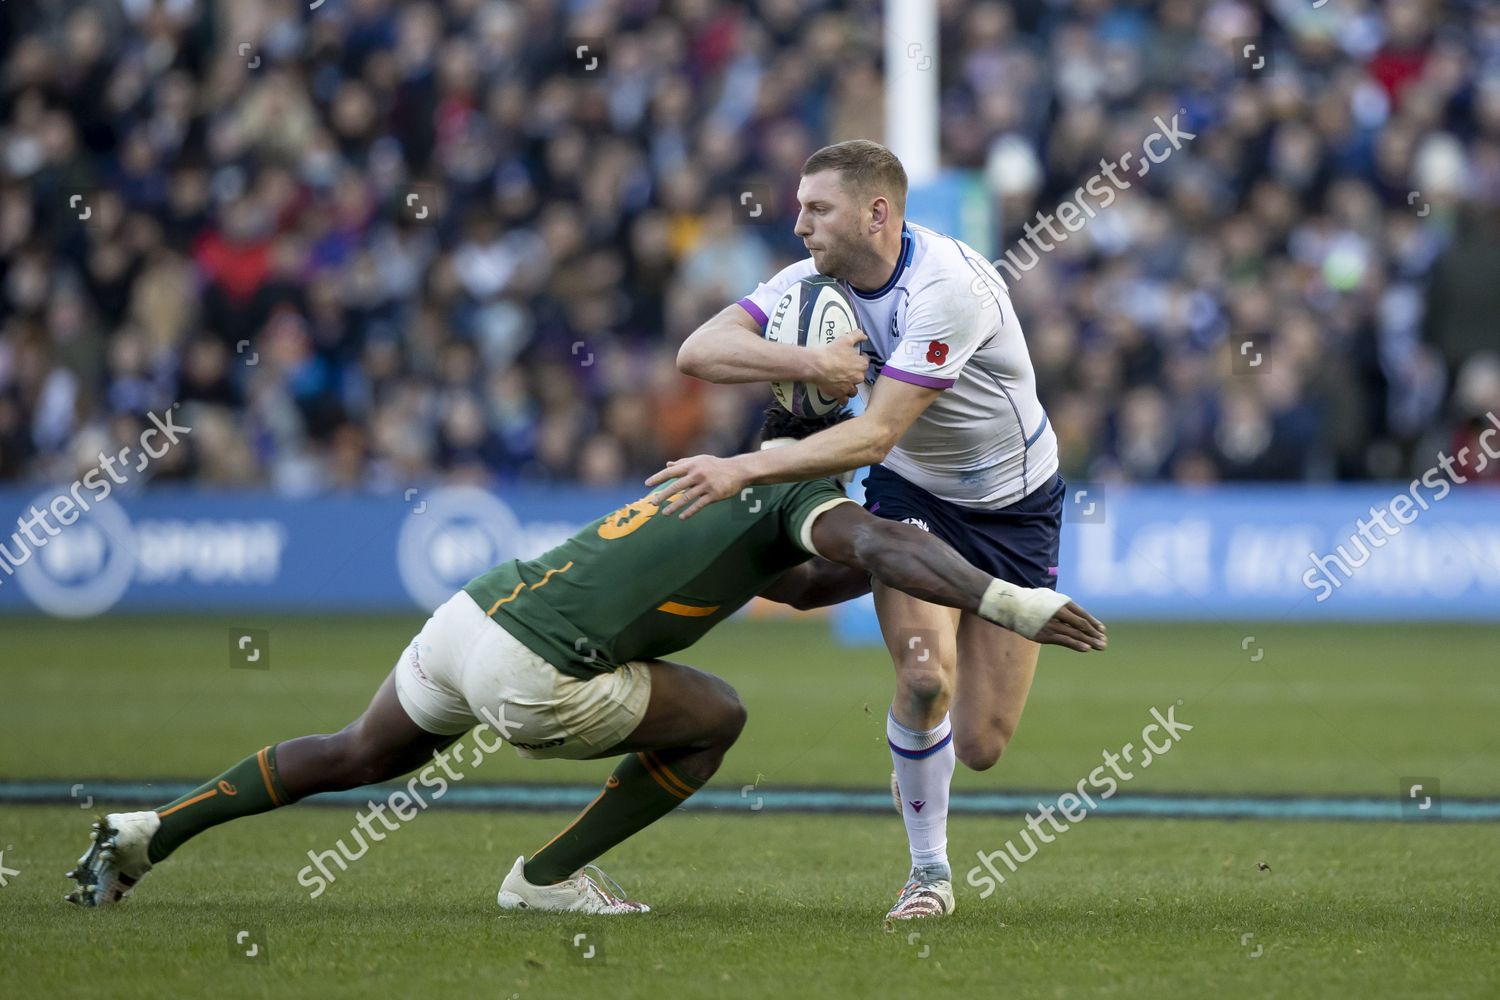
(921,637)
(386,734)
(995,669)
(418,708)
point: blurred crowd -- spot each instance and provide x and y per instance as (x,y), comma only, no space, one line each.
(361,244)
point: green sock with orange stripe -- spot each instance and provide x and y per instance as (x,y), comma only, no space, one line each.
(249,787)
(642,790)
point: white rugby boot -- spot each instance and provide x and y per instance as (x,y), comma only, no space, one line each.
(582,893)
(116,859)
(928,893)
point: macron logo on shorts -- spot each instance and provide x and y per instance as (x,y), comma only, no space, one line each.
(918,522)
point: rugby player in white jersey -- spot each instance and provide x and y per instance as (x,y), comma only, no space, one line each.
(958,445)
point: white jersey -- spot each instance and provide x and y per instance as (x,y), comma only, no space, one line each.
(945,320)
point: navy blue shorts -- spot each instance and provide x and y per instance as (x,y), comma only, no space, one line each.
(1018,543)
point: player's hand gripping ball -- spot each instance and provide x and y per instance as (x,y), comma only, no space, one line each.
(815,312)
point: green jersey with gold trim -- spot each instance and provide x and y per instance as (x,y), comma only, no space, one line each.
(634,585)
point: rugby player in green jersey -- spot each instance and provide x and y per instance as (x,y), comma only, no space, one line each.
(561,655)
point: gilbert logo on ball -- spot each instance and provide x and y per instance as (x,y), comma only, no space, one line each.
(813,313)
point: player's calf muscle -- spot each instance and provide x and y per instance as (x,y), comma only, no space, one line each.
(334,762)
(995,671)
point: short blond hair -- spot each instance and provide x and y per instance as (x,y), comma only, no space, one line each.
(864,166)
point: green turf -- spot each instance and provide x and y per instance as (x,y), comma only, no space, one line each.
(1339,710)
(756,904)
(774,907)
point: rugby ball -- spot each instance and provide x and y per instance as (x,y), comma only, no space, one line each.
(813,313)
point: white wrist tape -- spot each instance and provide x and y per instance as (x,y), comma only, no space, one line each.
(1020,609)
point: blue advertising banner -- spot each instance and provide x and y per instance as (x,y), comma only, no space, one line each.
(187,550)
(1272,552)
(1257,552)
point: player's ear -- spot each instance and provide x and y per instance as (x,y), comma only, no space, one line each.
(880,214)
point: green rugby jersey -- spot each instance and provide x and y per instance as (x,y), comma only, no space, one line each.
(634,585)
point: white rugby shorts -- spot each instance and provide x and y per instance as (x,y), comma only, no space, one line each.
(464,663)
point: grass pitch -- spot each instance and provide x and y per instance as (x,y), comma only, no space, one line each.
(759,904)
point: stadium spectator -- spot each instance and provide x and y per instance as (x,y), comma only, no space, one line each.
(378,242)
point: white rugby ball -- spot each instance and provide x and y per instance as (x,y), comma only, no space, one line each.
(813,313)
